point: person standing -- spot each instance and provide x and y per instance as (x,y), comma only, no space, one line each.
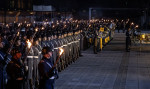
(15,71)
(128,40)
(46,72)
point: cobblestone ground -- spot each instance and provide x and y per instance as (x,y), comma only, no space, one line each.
(112,68)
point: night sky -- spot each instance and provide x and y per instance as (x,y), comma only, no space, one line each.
(79,4)
(75,4)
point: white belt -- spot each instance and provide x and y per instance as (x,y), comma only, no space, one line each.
(36,56)
(29,56)
(69,43)
(55,48)
(64,45)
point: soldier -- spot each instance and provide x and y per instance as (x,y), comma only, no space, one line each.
(36,60)
(47,73)
(1,65)
(54,41)
(60,45)
(66,49)
(15,71)
(128,40)
(95,41)
(4,60)
(29,64)
(81,42)
(44,41)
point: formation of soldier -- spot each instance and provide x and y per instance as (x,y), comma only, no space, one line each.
(72,36)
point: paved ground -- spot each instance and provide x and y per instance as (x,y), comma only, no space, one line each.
(113,68)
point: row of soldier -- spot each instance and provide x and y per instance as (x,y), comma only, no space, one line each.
(70,36)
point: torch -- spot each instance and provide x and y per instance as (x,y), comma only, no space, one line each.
(13,42)
(29,44)
(36,30)
(60,53)
(10,49)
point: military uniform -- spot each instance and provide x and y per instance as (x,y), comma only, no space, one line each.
(36,60)
(128,41)
(47,74)
(95,42)
(4,60)
(15,71)
(29,67)
(1,70)
(44,42)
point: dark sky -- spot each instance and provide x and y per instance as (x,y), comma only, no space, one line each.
(78,4)
(96,3)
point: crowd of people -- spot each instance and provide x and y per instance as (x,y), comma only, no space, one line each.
(28,51)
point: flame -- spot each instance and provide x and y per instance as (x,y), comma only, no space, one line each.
(90,25)
(19,25)
(137,26)
(61,51)
(36,29)
(65,26)
(18,33)
(7,25)
(42,28)
(29,43)
(132,23)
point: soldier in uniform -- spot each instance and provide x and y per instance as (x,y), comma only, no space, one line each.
(55,45)
(81,42)
(47,73)
(128,40)
(60,45)
(1,65)
(66,49)
(36,60)
(44,41)
(95,42)
(4,60)
(15,71)
(29,64)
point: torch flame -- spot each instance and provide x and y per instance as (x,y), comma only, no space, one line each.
(90,25)
(18,33)
(132,23)
(61,51)
(42,28)
(36,29)
(137,26)
(29,43)
(19,25)
(7,25)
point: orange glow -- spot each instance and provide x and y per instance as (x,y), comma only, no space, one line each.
(29,43)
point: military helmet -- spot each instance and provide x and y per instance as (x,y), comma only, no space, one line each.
(45,50)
